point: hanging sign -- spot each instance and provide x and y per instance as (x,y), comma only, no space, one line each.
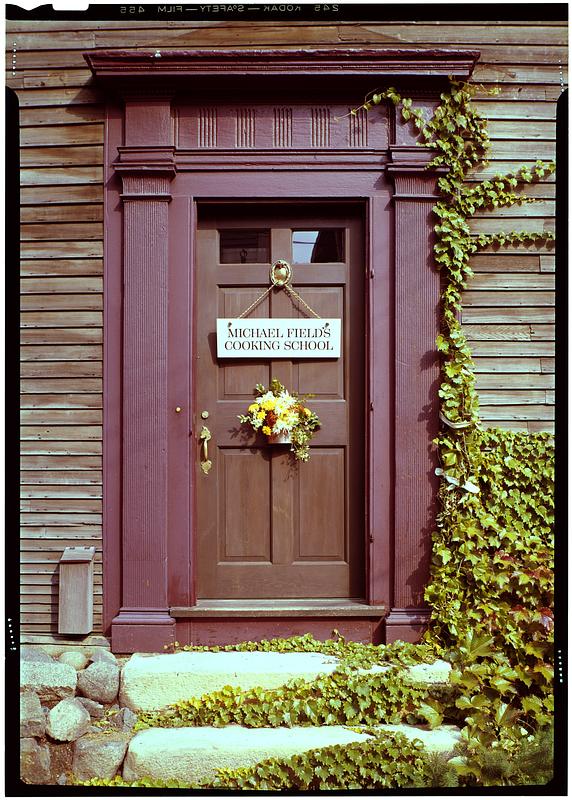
(278,338)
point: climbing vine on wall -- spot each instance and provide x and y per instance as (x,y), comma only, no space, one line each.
(458,135)
(491,588)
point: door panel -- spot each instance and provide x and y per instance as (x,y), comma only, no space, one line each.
(267,527)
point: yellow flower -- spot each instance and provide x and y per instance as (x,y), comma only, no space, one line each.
(307,412)
(261,414)
(268,405)
(253,407)
(266,430)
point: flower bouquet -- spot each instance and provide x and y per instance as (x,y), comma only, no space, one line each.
(283,418)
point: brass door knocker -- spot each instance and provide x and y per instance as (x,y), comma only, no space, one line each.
(280,273)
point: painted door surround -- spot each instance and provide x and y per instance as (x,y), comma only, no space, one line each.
(165,150)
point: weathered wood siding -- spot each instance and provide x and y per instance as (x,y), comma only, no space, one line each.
(509,310)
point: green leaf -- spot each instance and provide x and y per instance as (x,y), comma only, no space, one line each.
(433,716)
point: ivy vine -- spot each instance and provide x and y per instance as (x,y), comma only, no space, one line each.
(458,134)
(346,697)
(350,654)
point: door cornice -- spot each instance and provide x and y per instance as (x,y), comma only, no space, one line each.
(373,62)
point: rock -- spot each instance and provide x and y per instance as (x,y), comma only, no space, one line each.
(32,718)
(89,645)
(103,655)
(34,653)
(50,680)
(100,681)
(74,658)
(61,779)
(93,729)
(34,762)
(95,710)
(68,721)
(126,719)
(99,755)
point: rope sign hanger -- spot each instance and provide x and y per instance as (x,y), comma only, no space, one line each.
(281,278)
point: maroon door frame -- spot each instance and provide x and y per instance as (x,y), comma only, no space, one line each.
(151,194)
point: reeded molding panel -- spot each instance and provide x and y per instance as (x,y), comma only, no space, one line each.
(281,127)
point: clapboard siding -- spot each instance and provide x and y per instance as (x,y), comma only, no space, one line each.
(508,313)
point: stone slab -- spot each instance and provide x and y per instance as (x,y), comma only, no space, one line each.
(51,681)
(440,740)
(88,645)
(152,682)
(428,674)
(192,755)
(34,762)
(35,654)
(32,717)
(438,672)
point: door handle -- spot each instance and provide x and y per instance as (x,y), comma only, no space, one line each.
(205,436)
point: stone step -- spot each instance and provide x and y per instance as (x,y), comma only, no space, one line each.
(192,755)
(151,682)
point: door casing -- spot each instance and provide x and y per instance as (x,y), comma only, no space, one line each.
(152,187)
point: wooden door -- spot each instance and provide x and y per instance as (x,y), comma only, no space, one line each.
(266,527)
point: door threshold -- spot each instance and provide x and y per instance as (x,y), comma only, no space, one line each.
(318,607)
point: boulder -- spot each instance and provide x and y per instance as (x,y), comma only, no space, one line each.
(34,762)
(103,655)
(68,721)
(99,755)
(49,680)
(34,653)
(100,681)
(32,719)
(95,710)
(74,658)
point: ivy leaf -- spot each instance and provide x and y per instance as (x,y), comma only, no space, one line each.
(433,716)
(476,646)
(505,715)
